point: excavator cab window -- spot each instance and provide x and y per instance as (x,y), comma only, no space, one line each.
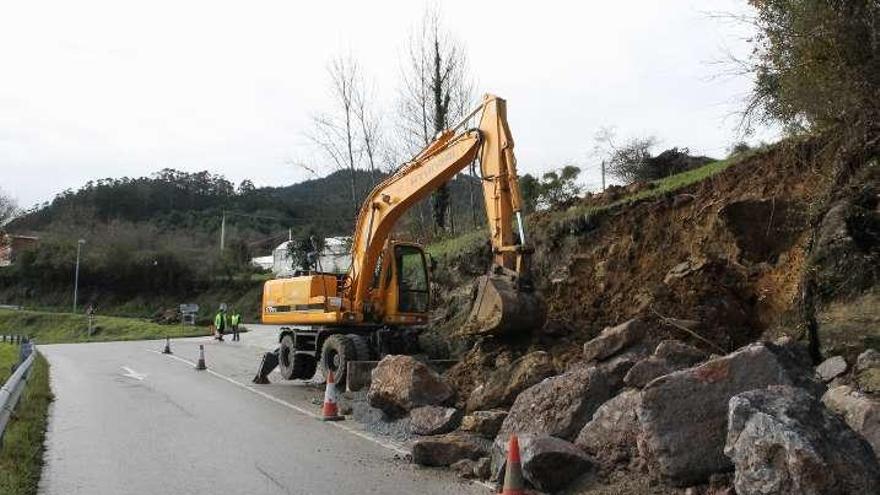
(412,278)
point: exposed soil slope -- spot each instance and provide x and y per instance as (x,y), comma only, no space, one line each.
(717,263)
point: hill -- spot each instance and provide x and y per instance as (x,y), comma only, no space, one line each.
(194,202)
(153,242)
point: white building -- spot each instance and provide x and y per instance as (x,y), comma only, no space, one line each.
(335,258)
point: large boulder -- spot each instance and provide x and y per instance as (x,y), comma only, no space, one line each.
(683,414)
(782,440)
(679,353)
(548,463)
(558,406)
(614,339)
(644,371)
(670,355)
(867,371)
(505,383)
(861,412)
(616,368)
(434,420)
(831,368)
(483,423)
(867,360)
(444,450)
(611,435)
(401,383)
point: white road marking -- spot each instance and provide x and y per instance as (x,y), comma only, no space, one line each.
(393,446)
(130,373)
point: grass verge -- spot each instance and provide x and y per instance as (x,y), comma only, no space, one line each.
(666,185)
(469,241)
(21,456)
(55,328)
(456,245)
(8,358)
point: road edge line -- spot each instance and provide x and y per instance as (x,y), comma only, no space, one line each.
(388,445)
(366,436)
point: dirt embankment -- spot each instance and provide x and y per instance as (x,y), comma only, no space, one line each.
(725,252)
(718,263)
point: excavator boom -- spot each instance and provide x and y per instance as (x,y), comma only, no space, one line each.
(504,300)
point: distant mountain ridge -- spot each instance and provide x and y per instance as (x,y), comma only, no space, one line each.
(172,200)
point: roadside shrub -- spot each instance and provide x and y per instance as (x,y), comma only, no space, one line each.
(816,63)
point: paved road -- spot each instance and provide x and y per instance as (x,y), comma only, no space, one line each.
(129,420)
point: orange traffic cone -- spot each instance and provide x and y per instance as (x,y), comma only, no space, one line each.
(331,411)
(201,364)
(513,478)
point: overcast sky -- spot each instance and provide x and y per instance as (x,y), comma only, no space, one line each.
(93,89)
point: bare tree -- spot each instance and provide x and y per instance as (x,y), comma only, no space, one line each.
(334,133)
(8,209)
(604,147)
(628,162)
(437,90)
(631,162)
(369,123)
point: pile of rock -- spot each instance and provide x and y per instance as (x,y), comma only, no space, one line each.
(402,386)
(759,420)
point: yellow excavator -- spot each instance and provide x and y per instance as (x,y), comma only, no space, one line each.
(382,303)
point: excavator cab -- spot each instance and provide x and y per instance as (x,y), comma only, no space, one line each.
(401,285)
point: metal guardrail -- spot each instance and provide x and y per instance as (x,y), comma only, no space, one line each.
(14,386)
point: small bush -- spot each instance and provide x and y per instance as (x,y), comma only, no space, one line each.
(816,63)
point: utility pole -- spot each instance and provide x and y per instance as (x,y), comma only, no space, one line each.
(79,245)
(603,175)
(223,232)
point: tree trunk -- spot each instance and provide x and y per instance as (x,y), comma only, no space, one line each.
(441,105)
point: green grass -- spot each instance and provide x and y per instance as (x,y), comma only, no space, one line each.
(244,297)
(54,328)
(684,179)
(21,456)
(8,358)
(468,242)
(455,245)
(675,182)
(661,187)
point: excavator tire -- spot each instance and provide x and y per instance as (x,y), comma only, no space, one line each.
(294,366)
(336,352)
(286,354)
(362,347)
(304,366)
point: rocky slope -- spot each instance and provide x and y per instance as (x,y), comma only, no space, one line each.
(715,338)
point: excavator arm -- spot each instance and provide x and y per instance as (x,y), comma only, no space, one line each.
(504,300)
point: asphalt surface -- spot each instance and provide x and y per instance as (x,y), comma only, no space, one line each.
(130,420)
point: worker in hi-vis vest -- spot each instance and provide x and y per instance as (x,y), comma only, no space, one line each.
(220,322)
(234,321)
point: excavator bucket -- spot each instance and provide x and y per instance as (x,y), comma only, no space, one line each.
(504,305)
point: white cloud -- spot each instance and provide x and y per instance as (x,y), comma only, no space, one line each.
(108,88)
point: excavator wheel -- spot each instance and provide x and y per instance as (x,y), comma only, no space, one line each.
(504,306)
(336,352)
(362,347)
(304,366)
(294,366)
